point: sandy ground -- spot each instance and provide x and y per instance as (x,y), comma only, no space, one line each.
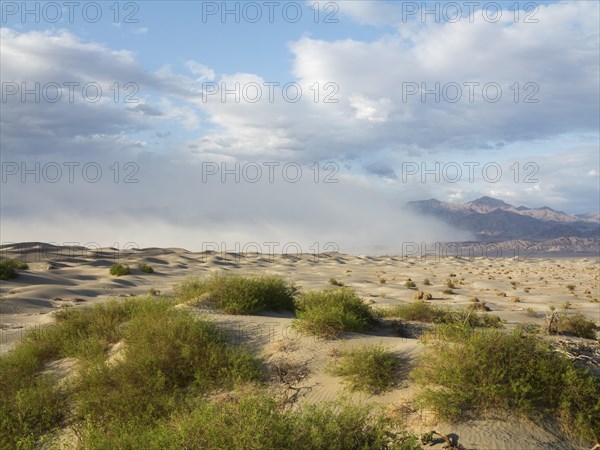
(72,278)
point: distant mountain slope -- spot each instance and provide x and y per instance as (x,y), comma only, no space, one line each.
(492,219)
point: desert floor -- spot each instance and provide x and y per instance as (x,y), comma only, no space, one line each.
(68,277)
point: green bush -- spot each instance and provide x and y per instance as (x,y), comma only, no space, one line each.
(418,311)
(421,311)
(576,325)
(31,404)
(168,356)
(9,267)
(254,420)
(236,294)
(370,368)
(329,312)
(34,407)
(490,370)
(145,268)
(119,270)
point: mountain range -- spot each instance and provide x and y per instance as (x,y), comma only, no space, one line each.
(493,220)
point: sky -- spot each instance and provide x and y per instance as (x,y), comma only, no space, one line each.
(308,123)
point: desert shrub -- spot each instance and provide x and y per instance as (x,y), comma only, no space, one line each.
(426,282)
(370,368)
(119,270)
(410,284)
(334,282)
(236,294)
(478,306)
(422,295)
(448,291)
(491,370)
(570,287)
(35,406)
(31,403)
(576,325)
(424,312)
(168,356)
(254,420)
(145,268)
(530,312)
(9,267)
(450,284)
(330,312)
(418,311)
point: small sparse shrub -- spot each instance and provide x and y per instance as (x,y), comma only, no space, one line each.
(514,299)
(153,292)
(410,284)
(236,294)
(9,267)
(145,268)
(474,299)
(530,312)
(425,312)
(450,284)
(119,270)
(382,281)
(478,306)
(370,368)
(448,291)
(501,294)
(334,282)
(570,287)
(577,325)
(426,282)
(422,295)
(330,312)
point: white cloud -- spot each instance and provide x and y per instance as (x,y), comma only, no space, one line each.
(204,73)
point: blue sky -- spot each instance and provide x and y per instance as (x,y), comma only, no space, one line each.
(368,60)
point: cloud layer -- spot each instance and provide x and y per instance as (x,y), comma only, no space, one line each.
(361,106)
